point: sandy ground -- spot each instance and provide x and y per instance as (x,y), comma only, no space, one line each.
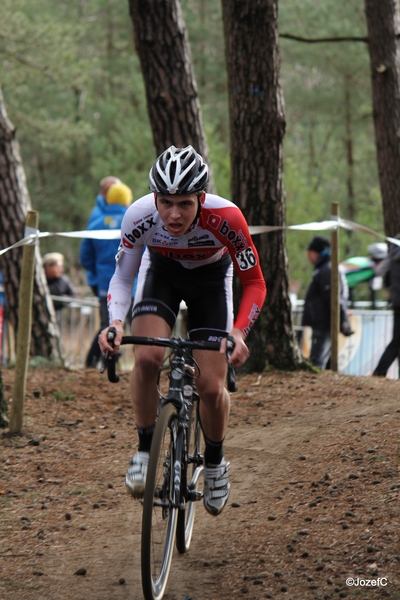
(315,493)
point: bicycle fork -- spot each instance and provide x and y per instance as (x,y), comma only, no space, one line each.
(182,392)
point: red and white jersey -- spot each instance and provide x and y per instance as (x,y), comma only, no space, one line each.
(221,228)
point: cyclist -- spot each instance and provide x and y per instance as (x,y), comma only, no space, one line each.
(191,240)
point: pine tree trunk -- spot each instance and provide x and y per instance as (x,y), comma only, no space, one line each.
(257,130)
(14,205)
(384,51)
(172,100)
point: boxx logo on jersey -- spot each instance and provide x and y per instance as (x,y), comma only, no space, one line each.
(237,239)
(138,231)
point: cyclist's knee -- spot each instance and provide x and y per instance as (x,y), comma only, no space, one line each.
(148,363)
(210,390)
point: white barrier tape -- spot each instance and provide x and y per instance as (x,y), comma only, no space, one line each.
(321,226)
(114,234)
(98,234)
(24,242)
(331,225)
(32,234)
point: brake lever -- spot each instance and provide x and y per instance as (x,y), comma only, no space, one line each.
(231,375)
(109,362)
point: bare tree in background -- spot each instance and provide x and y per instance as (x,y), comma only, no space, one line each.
(257,130)
(172,100)
(14,205)
(383,21)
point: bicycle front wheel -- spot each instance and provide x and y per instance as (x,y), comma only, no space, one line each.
(192,480)
(159,518)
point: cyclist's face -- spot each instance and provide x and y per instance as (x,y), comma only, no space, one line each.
(177,212)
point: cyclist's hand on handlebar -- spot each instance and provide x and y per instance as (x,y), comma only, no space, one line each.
(104,343)
(240,352)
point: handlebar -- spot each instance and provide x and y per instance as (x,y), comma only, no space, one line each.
(175,343)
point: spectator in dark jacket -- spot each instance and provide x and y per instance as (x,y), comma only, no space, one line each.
(390,270)
(317,303)
(97,256)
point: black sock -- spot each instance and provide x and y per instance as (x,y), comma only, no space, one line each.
(214,452)
(145,438)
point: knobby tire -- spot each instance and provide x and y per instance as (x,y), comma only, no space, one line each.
(186,515)
(159,522)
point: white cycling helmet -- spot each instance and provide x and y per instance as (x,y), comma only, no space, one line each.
(378,251)
(178,171)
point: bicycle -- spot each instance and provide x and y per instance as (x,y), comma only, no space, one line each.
(175,464)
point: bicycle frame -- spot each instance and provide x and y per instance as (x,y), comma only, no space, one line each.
(171,491)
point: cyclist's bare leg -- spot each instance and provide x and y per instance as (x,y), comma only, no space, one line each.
(214,414)
(215,400)
(145,372)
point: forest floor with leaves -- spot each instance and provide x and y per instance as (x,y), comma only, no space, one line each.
(315,487)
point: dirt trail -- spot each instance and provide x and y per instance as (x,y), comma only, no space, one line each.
(315,494)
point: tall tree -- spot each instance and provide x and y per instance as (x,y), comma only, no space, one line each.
(14,205)
(173,105)
(383,20)
(257,131)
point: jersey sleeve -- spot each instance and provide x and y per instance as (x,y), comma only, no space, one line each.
(119,294)
(128,259)
(230,227)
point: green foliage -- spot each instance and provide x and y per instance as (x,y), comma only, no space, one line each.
(304,205)
(328,109)
(63,396)
(73,88)
(203,19)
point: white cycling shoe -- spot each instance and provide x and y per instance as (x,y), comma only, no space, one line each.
(216,487)
(135,480)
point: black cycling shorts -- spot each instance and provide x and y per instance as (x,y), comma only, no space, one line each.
(207,292)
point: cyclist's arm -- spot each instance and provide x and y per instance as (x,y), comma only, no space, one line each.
(119,297)
(121,285)
(247,265)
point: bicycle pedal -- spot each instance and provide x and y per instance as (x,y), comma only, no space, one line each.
(194,495)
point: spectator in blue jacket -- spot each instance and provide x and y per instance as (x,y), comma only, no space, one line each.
(97,256)
(97,211)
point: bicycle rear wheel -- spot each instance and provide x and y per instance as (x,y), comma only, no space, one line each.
(159,519)
(195,468)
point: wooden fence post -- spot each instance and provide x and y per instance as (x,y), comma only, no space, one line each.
(335,289)
(24,327)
